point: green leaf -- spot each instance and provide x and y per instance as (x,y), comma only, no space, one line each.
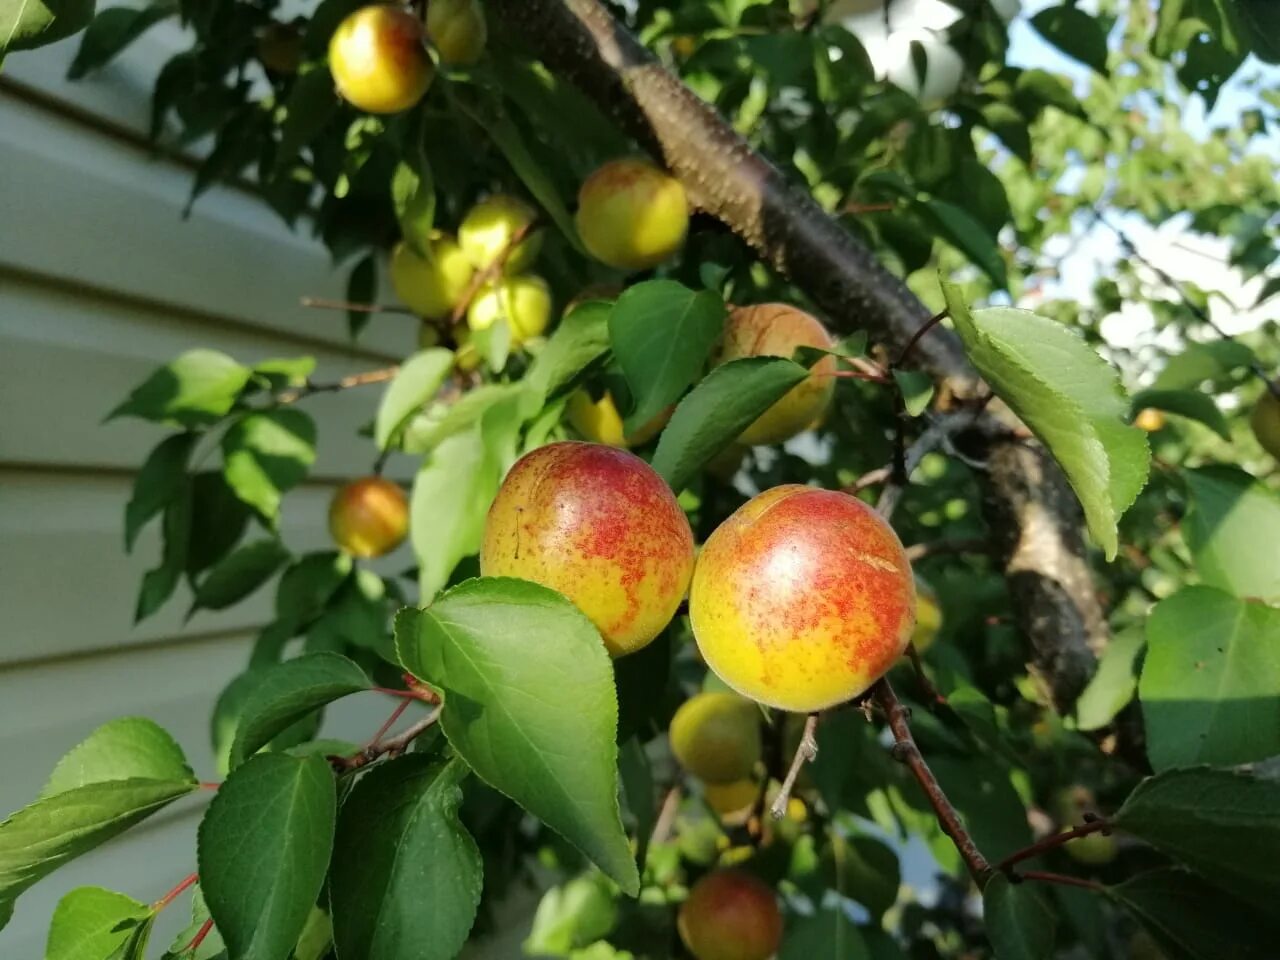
(413,195)
(572,915)
(1199,362)
(717,410)
(1232,528)
(137,936)
(1075,33)
(263,849)
(282,372)
(1036,89)
(90,923)
(1258,23)
(229,711)
(158,482)
(196,389)
(1223,824)
(415,383)
(43,836)
(1210,684)
(661,333)
(980,788)
(111,31)
(308,585)
(829,932)
(218,521)
(158,583)
(122,749)
(211,948)
(311,104)
(502,652)
(1114,683)
(1191,404)
(581,338)
(426,431)
(966,234)
(289,691)
(1190,920)
(239,574)
(916,388)
(362,285)
(1070,398)
(266,454)
(406,874)
(27,24)
(1020,921)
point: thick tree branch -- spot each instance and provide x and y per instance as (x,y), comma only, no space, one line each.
(1037,520)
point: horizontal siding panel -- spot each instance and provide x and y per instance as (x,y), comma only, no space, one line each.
(95,211)
(68,586)
(67,358)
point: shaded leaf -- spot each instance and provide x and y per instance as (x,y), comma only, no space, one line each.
(27,24)
(416,382)
(1185,403)
(111,31)
(90,923)
(581,338)
(1113,685)
(311,103)
(196,389)
(967,235)
(159,480)
(266,454)
(1231,528)
(362,285)
(1074,32)
(239,574)
(1020,921)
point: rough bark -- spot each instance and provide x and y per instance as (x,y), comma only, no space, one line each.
(1033,513)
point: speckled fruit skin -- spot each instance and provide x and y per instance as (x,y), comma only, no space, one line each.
(378,59)
(599,421)
(600,526)
(802,599)
(731,915)
(524,302)
(489,227)
(431,287)
(776,330)
(369,517)
(1265,421)
(632,215)
(716,736)
(457,30)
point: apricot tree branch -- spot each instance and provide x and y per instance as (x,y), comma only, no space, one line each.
(806,751)
(1062,879)
(1052,842)
(391,747)
(323,304)
(353,380)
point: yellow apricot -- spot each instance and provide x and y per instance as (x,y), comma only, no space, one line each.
(431,286)
(457,30)
(600,422)
(802,599)
(369,517)
(631,214)
(1149,419)
(378,60)
(716,736)
(601,527)
(776,330)
(491,225)
(524,302)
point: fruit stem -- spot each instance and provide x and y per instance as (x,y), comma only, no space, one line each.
(905,751)
(401,707)
(1052,842)
(173,894)
(928,325)
(199,937)
(806,751)
(392,747)
(1059,878)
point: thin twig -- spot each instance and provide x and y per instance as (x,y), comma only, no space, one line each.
(906,751)
(666,821)
(930,692)
(936,435)
(1052,842)
(928,325)
(1060,878)
(173,894)
(353,380)
(322,304)
(806,751)
(391,747)
(868,479)
(487,275)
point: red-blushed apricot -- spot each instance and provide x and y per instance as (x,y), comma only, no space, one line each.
(802,599)
(457,30)
(1265,421)
(776,330)
(369,517)
(379,60)
(601,527)
(731,915)
(716,736)
(631,214)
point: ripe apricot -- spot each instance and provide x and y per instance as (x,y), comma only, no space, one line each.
(524,302)
(600,526)
(1265,421)
(716,736)
(491,225)
(730,915)
(776,330)
(631,214)
(599,421)
(431,286)
(378,59)
(802,599)
(457,30)
(369,517)
(1149,419)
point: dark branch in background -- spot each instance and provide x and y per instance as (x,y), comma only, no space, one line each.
(1038,529)
(1052,842)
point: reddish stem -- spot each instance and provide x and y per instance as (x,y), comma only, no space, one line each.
(915,337)
(391,722)
(173,894)
(199,937)
(393,692)
(1051,842)
(1060,878)
(209,785)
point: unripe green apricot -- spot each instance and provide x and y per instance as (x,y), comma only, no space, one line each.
(523,302)
(457,30)
(631,214)
(1265,422)
(490,226)
(431,286)
(716,736)
(379,60)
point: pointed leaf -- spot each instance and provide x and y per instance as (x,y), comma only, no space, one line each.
(288,692)
(239,574)
(310,105)
(196,389)
(503,652)
(159,481)
(267,454)
(122,749)
(111,31)
(1232,528)
(263,849)
(1191,404)
(1114,683)
(90,923)
(581,338)
(415,383)
(413,195)
(967,235)
(406,874)
(916,388)
(25,25)
(1075,33)
(1020,921)
(1070,398)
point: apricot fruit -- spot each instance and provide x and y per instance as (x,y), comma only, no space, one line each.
(280,49)
(776,330)
(1149,419)
(730,915)
(489,228)
(599,420)
(456,28)
(524,302)
(601,527)
(631,214)
(431,286)
(716,736)
(730,799)
(928,616)
(1265,421)
(802,599)
(1069,807)
(369,517)
(379,60)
